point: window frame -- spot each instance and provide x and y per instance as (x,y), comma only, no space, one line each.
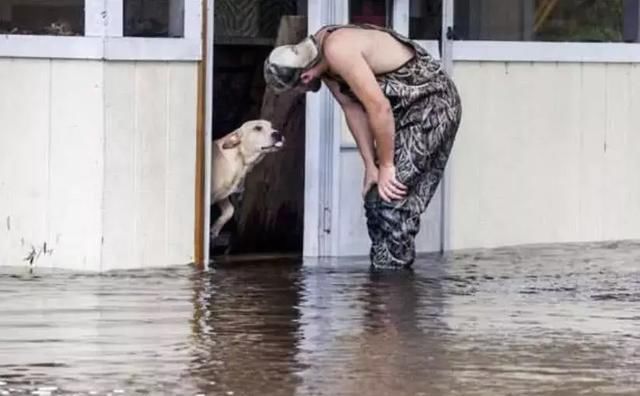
(103,38)
(544,51)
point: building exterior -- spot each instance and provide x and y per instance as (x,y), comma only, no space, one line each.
(104,148)
(98,142)
(548,147)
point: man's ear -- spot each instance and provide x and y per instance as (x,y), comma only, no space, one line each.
(231,140)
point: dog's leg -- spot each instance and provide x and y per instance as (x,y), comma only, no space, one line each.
(226,212)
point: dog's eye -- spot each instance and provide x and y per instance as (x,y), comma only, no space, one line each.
(257,128)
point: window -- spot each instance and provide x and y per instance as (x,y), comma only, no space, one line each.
(252,22)
(42,17)
(375,12)
(547,20)
(245,32)
(154,18)
(102,29)
(425,19)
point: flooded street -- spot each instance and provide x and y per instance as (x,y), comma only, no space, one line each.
(548,320)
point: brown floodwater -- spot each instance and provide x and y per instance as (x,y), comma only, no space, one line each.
(543,320)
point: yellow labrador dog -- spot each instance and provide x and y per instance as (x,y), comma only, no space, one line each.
(234,155)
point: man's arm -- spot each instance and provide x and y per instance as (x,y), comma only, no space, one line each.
(357,122)
(347,60)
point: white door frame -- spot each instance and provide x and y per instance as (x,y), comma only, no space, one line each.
(208,133)
(447,62)
(322,149)
(322,134)
(401,14)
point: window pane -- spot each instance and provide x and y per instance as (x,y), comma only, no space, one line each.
(252,22)
(425,19)
(154,18)
(375,12)
(245,33)
(44,17)
(547,20)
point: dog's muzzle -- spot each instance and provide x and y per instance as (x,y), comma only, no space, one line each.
(278,141)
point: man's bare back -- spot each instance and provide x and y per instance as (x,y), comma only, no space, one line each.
(382,52)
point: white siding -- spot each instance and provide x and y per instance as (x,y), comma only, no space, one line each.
(24,157)
(97,160)
(51,161)
(546,153)
(150,167)
(76,163)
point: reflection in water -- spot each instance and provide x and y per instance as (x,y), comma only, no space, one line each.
(552,320)
(245,329)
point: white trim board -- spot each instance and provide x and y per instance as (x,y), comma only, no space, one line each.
(537,51)
(161,49)
(97,48)
(28,46)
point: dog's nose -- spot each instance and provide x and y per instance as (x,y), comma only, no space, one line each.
(277,136)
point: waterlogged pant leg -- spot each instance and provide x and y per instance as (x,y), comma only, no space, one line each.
(421,154)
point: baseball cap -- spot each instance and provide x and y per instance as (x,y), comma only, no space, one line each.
(286,63)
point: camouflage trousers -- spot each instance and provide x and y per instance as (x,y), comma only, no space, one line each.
(427,116)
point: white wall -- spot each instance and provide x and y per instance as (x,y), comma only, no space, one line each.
(547,152)
(150,128)
(95,157)
(51,162)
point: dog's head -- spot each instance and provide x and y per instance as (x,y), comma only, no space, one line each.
(254,138)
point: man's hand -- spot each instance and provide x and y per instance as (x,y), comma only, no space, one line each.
(388,186)
(370,178)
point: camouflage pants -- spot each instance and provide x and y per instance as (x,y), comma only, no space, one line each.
(427,117)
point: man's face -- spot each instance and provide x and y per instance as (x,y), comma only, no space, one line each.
(312,86)
(310,81)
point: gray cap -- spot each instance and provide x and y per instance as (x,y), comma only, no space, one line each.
(286,63)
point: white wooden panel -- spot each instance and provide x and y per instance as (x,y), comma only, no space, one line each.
(149,208)
(617,104)
(354,239)
(530,164)
(621,202)
(67,47)
(76,163)
(95,153)
(121,151)
(155,48)
(592,127)
(515,160)
(539,51)
(24,111)
(151,173)
(181,172)
(632,158)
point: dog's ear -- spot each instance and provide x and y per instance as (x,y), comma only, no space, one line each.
(231,140)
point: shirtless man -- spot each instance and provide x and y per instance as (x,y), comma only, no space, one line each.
(402,110)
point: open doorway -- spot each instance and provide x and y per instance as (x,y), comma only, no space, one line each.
(269,205)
